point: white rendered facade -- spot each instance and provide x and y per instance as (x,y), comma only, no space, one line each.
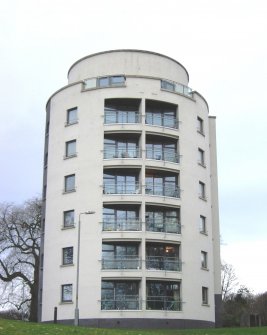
(128,139)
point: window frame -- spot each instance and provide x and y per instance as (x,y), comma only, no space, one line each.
(204,260)
(63,300)
(200,126)
(65,261)
(205,296)
(66,188)
(203,224)
(75,120)
(202,190)
(201,157)
(67,154)
(64,219)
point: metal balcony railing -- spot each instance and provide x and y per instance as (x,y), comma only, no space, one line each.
(121,188)
(122,225)
(163,155)
(166,226)
(163,263)
(110,153)
(163,190)
(127,302)
(121,116)
(165,303)
(122,262)
(162,121)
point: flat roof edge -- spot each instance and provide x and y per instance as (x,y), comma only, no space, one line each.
(128,50)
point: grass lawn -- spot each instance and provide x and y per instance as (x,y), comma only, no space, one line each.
(8,327)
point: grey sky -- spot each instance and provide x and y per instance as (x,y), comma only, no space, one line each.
(221,43)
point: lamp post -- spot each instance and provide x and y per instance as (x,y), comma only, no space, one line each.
(76,314)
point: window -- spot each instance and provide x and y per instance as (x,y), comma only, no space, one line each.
(202,224)
(122,111)
(69,183)
(205,294)
(167,85)
(201,157)
(163,220)
(68,219)
(200,126)
(162,185)
(72,116)
(121,148)
(121,184)
(111,81)
(161,295)
(161,114)
(120,295)
(204,259)
(67,256)
(202,191)
(70,150)
(66,293)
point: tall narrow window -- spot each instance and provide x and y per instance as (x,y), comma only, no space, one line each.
(202,224)
(72,116)
(66,293)
(200,125)
(69,183)
(205,295)
(204,259)
(202,191)
(67,256)
(68,219)
(70,150)
(201,157)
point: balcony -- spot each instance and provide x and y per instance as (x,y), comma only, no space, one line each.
(174,87)
(122,225)
(122,153)
(162,121)
(164,226)
(164,189)
(122,188)
(164,155)
(122,263)
(121,116)
(126,302)
(165,303)
(163,263)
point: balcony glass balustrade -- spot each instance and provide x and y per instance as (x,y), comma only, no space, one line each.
(122,225)
(161,120)
(121,188)
(121,116)
(111,152)
(122,262)
(165,226)
(126,302)
(164,155)
(165,303)
(163,189)
(163,263)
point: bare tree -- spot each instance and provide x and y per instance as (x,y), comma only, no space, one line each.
(229,280)
(20,228)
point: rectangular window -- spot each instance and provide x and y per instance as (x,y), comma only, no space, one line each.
(204,259)
(202,224)
(202,191)
(205,295)
(200,126)
(201,157)
(68,219)
(67,256)
(69,183)
(72,116)
(70,149)
(66,293)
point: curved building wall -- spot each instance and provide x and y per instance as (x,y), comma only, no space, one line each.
(136,150)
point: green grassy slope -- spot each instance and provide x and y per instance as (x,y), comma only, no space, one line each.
(8,327)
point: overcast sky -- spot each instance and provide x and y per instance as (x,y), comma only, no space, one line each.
(222,44)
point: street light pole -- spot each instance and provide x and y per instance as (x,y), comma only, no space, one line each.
(76,314)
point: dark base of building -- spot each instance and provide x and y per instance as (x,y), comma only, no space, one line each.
(141,323)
